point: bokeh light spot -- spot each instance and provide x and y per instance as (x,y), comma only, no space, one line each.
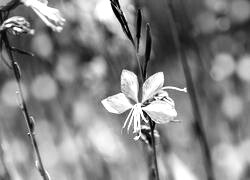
(243,68)
(232,106)
(42,45)
(44,87)
(9,95)
(223,66)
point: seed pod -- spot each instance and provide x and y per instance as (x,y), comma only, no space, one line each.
(138,28)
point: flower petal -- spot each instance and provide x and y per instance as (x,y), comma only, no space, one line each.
(152,85)
(50,16)
(129,84)
(117,104)
(44,1)
(160,111)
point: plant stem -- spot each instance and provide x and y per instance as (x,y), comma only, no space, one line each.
(152,127)
(193,95)
(23,106)
(151,123)
(156,171)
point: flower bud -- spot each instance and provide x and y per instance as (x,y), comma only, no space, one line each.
(17,25)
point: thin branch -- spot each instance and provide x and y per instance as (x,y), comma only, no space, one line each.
(29,120)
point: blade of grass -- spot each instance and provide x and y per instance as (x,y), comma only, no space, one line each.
(193,95)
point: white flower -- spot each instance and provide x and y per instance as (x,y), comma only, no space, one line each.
(50,16)
(155,101)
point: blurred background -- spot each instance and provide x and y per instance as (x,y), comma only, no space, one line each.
(77,68)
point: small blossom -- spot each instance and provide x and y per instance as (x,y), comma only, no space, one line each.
(50,16)
(155,101)
(17,25)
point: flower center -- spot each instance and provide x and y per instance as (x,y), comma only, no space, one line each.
(134,117)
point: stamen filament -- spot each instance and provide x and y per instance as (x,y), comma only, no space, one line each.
(126,121)
(175,88)
(135,121)
(131,119)
(142,115)
(134,117)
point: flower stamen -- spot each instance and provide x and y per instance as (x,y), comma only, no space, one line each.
(131,119)
(128,117)
(174,88)
(142,115)
(134,117)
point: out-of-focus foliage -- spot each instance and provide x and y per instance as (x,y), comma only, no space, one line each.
(75,69)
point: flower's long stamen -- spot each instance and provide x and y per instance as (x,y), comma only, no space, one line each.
(126,121)
(138,129)
(135,124)
(131,119)
(174,88)
(171,101)
(136,119)
(142,115)
(139,124)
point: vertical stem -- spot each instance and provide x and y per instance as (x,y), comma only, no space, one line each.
(156,171)
(151,123)
(152,127)
(29,122)
(193,95)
